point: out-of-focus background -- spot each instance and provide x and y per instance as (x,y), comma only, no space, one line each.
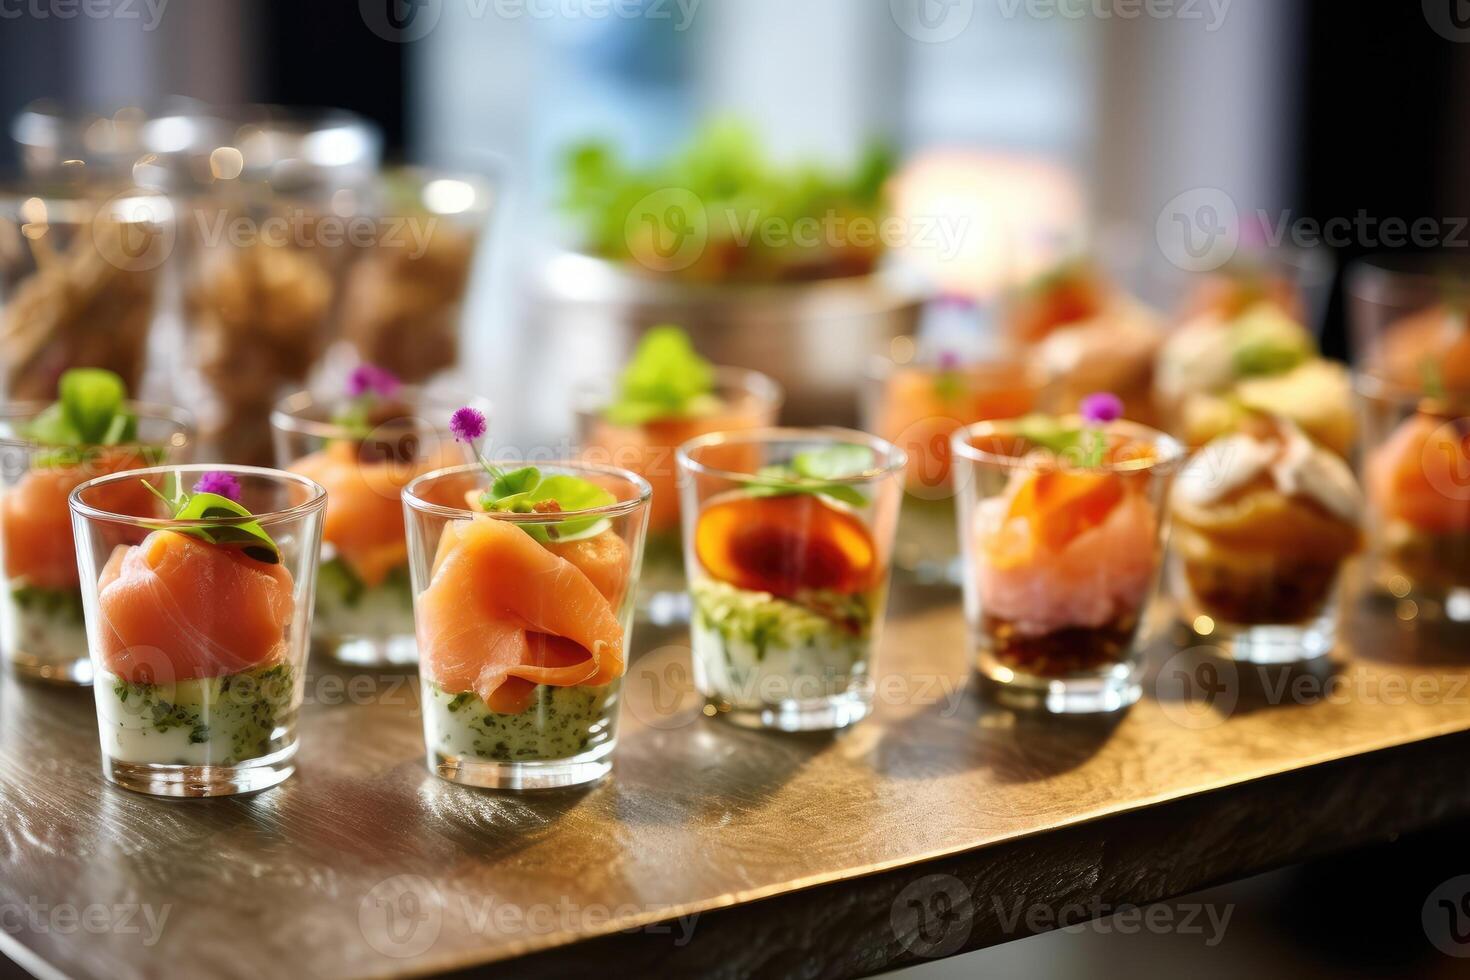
(1159,137)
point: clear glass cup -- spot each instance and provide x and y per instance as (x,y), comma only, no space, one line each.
(1062,558)
(1416,471)
(41,624)
(1408,321)
(1255,564)
(1299,280)
(364,600)
(748,400)
(198,648)
(917,406)
(788,586)
(403,300)
(81,280)
(524,626)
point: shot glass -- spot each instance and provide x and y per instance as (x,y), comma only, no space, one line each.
(742,400)
(1408,321)
(41,623)
(1416,471)
(524,625)
(788,540)
(1062,556)
(917,406)
(198,628)
(364,601)
(1257,553)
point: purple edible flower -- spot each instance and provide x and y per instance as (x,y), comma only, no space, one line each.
(369,379)
(1101,407)
(948,360)
(467,424)
(219,483)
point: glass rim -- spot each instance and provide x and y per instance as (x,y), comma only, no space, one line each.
(1030,371)
(893,459)
(1374,387)
(1170,451)
(316,502)
(70,205)
(1379,277)
(182,418)
(620,508)
(420,175)
(285,412)
(593,395)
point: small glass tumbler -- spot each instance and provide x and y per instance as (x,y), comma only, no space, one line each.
(1062,554)
(1416,472)
(41,624)
(917,406)
(364,600)
(198,628)
(741,400)
(524,622)
(788,540)
(1408,321)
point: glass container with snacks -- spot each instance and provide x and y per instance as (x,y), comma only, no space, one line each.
(788,538)
(404,296)
(523,578)
(198,615)
(666,396)
(1223,368)
(1263,521)
(364,446)
(1410,322)
(81,277)
(1298,281)
(917,406)
(1416,470)
(1088,334)
(48,451)
(1061,525)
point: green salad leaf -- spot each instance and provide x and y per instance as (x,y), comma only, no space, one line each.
(665,379)
(90,411)
(816,471)
(520,491)
(1050,433)
(248,537)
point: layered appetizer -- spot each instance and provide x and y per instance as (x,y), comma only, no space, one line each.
(788,560)
(1263,520)
(523,580)
(1428,350)
(91,430)
(197,619)
(364,448)
(1088,334)
(1060,526)
(666,396)
(1219,370)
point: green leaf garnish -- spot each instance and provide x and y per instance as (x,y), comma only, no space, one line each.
(1049,433)
(665,379)
(89,412)
(248,537)
(519,491)
(815,471)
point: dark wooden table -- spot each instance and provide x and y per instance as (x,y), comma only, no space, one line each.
(919,833)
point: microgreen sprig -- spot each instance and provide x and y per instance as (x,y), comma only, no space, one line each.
(90,411)
(816,471)
(528,491)
(216,495)
(666,378)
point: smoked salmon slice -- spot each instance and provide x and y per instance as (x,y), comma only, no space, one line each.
(176,608)
(504,613)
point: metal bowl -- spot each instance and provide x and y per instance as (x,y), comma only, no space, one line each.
(814,338)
